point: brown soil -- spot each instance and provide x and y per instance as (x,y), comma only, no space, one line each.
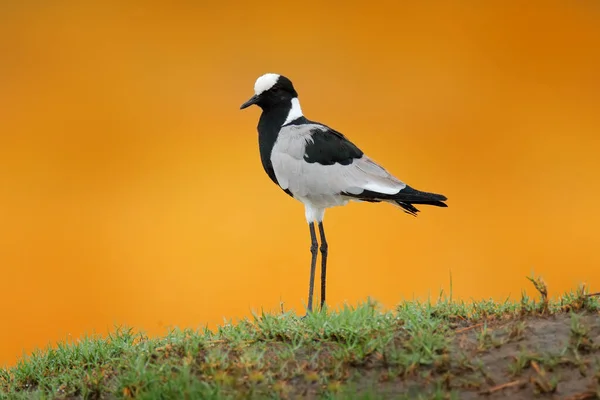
(532,357)
(523,359)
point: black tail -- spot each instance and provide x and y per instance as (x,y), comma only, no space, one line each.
(409,196)
(405,199)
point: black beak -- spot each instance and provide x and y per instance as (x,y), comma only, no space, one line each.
(253,100)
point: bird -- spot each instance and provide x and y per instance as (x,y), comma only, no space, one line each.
(320,167)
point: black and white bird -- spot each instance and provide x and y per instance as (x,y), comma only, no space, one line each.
(319,166)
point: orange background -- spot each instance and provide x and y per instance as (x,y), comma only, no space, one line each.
(131,190)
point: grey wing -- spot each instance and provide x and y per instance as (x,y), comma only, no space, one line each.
(314,180)
(304,179)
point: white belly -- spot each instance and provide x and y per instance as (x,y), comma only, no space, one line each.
(322,201)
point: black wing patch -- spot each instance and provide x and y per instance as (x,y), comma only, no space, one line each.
(329,147)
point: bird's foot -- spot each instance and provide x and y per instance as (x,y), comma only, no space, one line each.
(305,316)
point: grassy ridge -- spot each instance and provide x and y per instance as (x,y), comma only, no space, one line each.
(440,350)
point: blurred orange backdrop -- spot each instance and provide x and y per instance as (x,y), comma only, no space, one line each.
(131,190)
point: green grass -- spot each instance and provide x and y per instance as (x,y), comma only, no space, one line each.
(428,350)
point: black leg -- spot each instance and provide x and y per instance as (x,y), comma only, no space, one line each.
(314,245)
(323,262)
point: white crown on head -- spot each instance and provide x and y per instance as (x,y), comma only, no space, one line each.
(265,82)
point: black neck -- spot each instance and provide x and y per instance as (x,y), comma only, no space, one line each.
(269,124)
